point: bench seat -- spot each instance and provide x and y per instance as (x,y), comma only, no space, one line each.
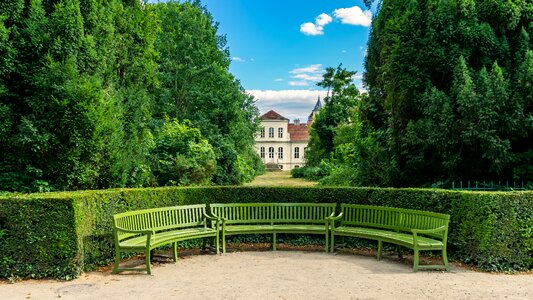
(399,238)
(145,230)
(286,228)
(418,230)
(163,238)
(273,218)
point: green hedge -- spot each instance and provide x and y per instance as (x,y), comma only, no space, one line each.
(60,235)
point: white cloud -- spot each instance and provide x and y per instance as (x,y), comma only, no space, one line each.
(316,28)
(291,104)
(238,59)
(306,75)
(278,79)
(323,19)
(350,15)
(354,16)
(298,83)
(317,68)
(311,29)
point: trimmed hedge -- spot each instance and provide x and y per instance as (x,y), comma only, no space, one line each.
(60,235)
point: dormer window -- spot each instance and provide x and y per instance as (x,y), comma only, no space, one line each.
(271,132)
(280,132)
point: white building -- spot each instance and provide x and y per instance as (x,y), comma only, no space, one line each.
(281,144)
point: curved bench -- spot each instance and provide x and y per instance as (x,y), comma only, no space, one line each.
(273,218)
(145,230)
(418,230)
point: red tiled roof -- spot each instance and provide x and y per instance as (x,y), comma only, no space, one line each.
(272,115)
(299,133)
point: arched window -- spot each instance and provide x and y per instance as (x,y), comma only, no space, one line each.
(280,132)
(271,132)
(270,152)
(262,152)
(280,152)
(297,152)
(262,132)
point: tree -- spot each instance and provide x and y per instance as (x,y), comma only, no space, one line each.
(182,156)
(342,95)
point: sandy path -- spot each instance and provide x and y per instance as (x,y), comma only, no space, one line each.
(280,275)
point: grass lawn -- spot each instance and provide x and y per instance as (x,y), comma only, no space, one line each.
(279,179)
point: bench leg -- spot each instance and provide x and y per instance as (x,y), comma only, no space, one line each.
(327,241)
(217,243)
(332,242)
(175,252)
(117,261)
(223,242)
(445,258)
(380,249)
(274,242)
(147,257)
(416,260)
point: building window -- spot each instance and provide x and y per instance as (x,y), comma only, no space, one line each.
(271,132)
(262,152)
(262,132)
(280,152)
(271,152)
(281,167)
(297,152)
(280,133)
(305,150)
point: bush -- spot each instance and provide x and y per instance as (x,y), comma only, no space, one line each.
(60,235)
(298,172)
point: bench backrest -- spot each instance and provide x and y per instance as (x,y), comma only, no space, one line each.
(271,213)
(159,219)
(392,218)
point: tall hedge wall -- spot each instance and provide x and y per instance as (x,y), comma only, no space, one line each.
(60,235)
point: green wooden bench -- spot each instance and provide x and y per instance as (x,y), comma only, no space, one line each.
(273,218)
(145,230)
(418,230)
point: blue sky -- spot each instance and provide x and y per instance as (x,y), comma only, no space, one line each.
(279,49)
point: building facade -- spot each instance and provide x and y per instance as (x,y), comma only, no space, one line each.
(281,144)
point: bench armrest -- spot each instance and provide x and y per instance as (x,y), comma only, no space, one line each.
(149,235)
(332,218)
(335,218)
(435,230)
(212,218)
(147,231)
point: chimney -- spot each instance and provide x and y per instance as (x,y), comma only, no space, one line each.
(296,121)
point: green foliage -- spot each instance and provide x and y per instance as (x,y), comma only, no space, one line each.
(446,83)
(84,85)
(182,156)
(198,87)
(338,82)
(62,234)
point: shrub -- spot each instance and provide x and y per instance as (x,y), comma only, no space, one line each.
(60,235)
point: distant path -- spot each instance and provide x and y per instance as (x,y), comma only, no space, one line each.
(279,179)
